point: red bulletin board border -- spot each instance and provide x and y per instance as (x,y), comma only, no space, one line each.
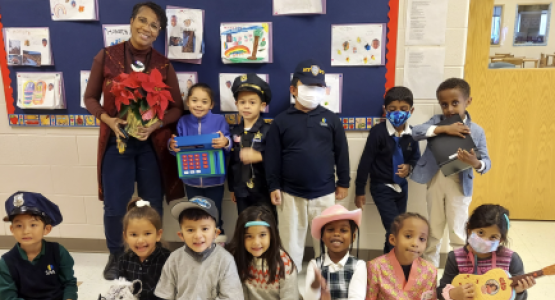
(35,120)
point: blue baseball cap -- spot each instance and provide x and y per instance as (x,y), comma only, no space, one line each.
(310,72)
(29,203)
(197,202)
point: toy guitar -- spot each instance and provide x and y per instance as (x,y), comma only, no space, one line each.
(496,284)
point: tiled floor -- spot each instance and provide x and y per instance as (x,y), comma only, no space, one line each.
(534,242)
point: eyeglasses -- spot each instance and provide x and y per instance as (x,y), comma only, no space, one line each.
(153,26)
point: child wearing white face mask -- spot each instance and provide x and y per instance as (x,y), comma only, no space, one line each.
(306,147)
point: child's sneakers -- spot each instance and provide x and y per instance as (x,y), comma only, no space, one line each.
(221,239)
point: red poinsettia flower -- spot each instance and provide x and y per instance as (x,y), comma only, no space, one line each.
(158,96)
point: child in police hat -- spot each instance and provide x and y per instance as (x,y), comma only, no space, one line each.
(247,176)
(201,269)
(306,148)
(35,268)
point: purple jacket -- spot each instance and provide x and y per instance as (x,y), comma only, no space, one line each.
(210,123)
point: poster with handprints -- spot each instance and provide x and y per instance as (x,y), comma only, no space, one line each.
(246,42)
(115,34)
(227,101)
(358,44)
(40,90)
(186,80)
(299,7)
(334,92)
(28,46)
(184,35)
(84,80)
(74,10)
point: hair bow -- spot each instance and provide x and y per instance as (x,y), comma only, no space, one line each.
(142,203)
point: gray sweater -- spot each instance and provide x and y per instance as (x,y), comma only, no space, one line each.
(188,275)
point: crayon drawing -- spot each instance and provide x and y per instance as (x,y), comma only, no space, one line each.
(40,90)
(72,10)
(358,45)
(186,81)
(184,33)
(246,42)
(115,34)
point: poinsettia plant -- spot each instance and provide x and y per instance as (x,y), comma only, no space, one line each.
(144,96)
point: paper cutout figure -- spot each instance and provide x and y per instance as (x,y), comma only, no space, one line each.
(63,10)
(334,92)
(40,90)
(246,42)
(84,80)
(184,34)
(28,46)
(115,34)
(186,81)
(227,101)
(358,45)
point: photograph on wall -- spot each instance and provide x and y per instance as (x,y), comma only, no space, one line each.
(186,81)
(184,34)
(40,90)
(246,42)
(115,34)
(84,80)
(28,46)
(299,7)
(358,44)
(227,101)
(334,92)
(74,10)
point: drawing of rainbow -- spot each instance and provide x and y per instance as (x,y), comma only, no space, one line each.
(237,50)
(58,8)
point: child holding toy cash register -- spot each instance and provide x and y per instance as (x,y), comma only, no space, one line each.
(201,121)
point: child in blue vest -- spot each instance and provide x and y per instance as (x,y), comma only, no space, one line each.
(389,156)
(35,268)
(200,101)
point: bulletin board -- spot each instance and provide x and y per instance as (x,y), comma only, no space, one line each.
(295,38)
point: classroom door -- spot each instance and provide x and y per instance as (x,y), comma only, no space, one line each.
(515,108)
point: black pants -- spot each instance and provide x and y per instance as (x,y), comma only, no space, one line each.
(119,173)
(390,204)
(256,199)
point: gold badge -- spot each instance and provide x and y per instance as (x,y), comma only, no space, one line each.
(244,78)
(315,70)
(258,135)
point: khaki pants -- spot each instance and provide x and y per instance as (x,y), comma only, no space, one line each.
(446,205)
(295,216)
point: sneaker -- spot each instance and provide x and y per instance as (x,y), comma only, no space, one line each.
(111,271)
(221,239)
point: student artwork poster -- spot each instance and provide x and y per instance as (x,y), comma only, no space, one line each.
(358,44)
(186,80)
(115,34)
(84,76)
(40,90)
(227,101)
(73,10)
(299,7)
(28,46)
(246,42)
(334,92)
(184,34)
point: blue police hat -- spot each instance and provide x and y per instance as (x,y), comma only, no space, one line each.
(252,83)
(310,72)
(35,204)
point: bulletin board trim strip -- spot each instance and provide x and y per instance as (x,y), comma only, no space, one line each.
(393,26)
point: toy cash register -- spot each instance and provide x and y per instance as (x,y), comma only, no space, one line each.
(197,158)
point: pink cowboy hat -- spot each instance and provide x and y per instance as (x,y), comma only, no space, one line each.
(334,213)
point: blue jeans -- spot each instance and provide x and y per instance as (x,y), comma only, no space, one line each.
(119,173)
(390,204)
(214,193)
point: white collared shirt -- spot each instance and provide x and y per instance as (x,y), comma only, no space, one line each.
(430,133)
(392,132)
(357,286)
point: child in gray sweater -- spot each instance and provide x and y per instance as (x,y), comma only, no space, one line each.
(200,269)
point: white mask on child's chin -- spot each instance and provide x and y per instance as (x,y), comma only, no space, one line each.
(310,96)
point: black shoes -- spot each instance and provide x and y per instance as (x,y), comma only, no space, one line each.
(111,271)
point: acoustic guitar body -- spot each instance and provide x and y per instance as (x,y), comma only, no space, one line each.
(494,285)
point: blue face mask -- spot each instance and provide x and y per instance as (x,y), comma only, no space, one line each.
(398,117)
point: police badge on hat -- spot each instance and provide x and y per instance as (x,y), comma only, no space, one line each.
(18,200)
(315,69)
(244,78)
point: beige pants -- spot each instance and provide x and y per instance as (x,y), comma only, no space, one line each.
(446,205)
(295,216)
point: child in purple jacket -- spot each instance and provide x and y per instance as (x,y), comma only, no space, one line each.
(201,121)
